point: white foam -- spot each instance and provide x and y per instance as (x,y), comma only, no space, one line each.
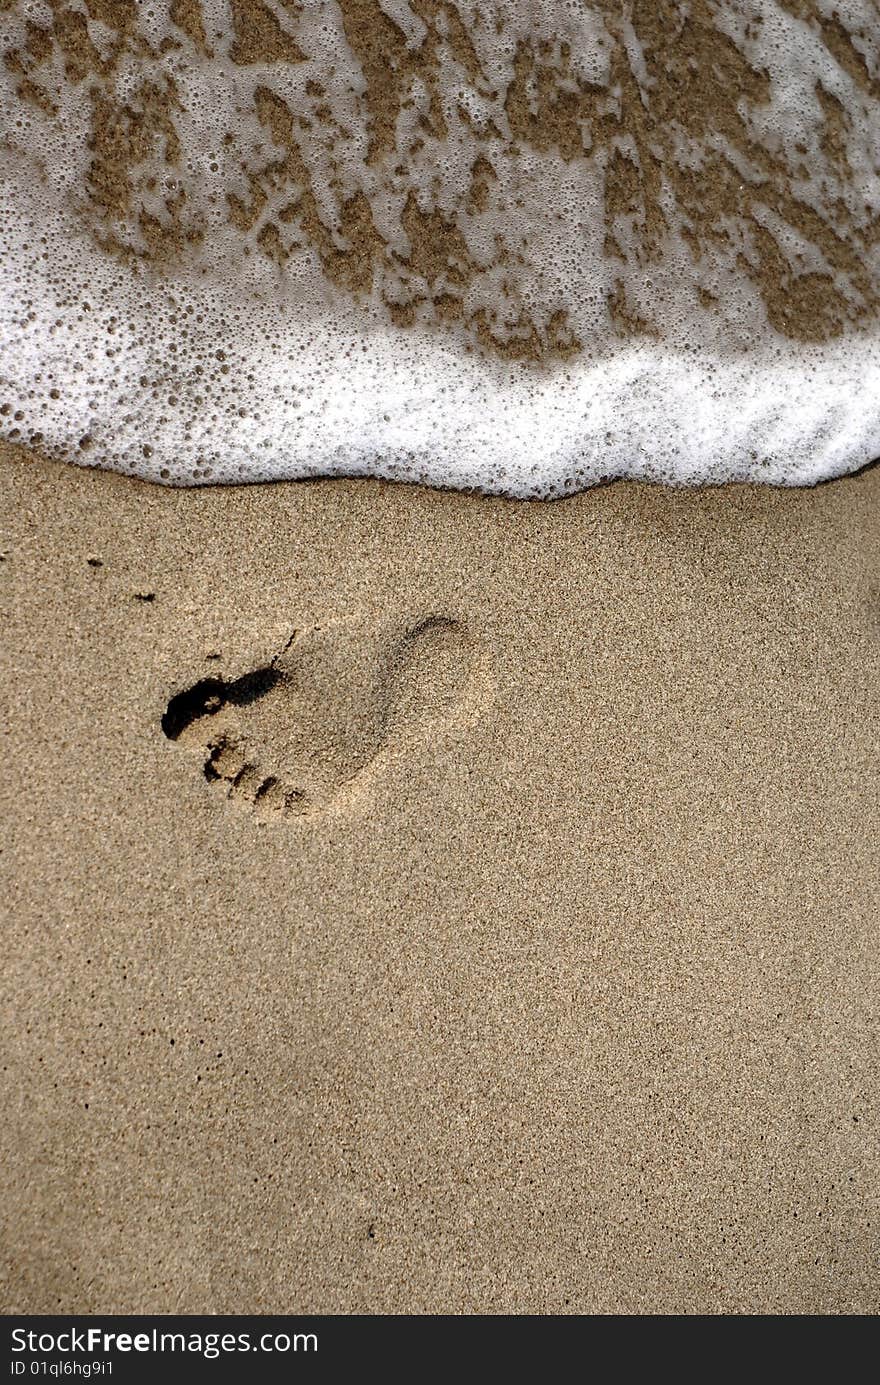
(220,366)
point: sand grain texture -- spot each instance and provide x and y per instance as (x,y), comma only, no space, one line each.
(560,993)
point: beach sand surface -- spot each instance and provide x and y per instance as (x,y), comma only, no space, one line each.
(491,928)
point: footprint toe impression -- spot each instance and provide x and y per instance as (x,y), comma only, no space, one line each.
(310,727)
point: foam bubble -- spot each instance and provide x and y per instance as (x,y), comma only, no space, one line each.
(521,247)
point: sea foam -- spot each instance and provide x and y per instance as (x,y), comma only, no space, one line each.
(521,247)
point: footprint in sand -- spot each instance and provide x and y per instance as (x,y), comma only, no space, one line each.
(305,731)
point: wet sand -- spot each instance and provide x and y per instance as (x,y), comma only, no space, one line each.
(541,979)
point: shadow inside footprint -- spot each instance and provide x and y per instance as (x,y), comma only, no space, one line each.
(299,733)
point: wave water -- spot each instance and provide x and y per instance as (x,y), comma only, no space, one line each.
(521,247)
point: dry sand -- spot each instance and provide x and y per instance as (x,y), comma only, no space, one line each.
(555,991)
